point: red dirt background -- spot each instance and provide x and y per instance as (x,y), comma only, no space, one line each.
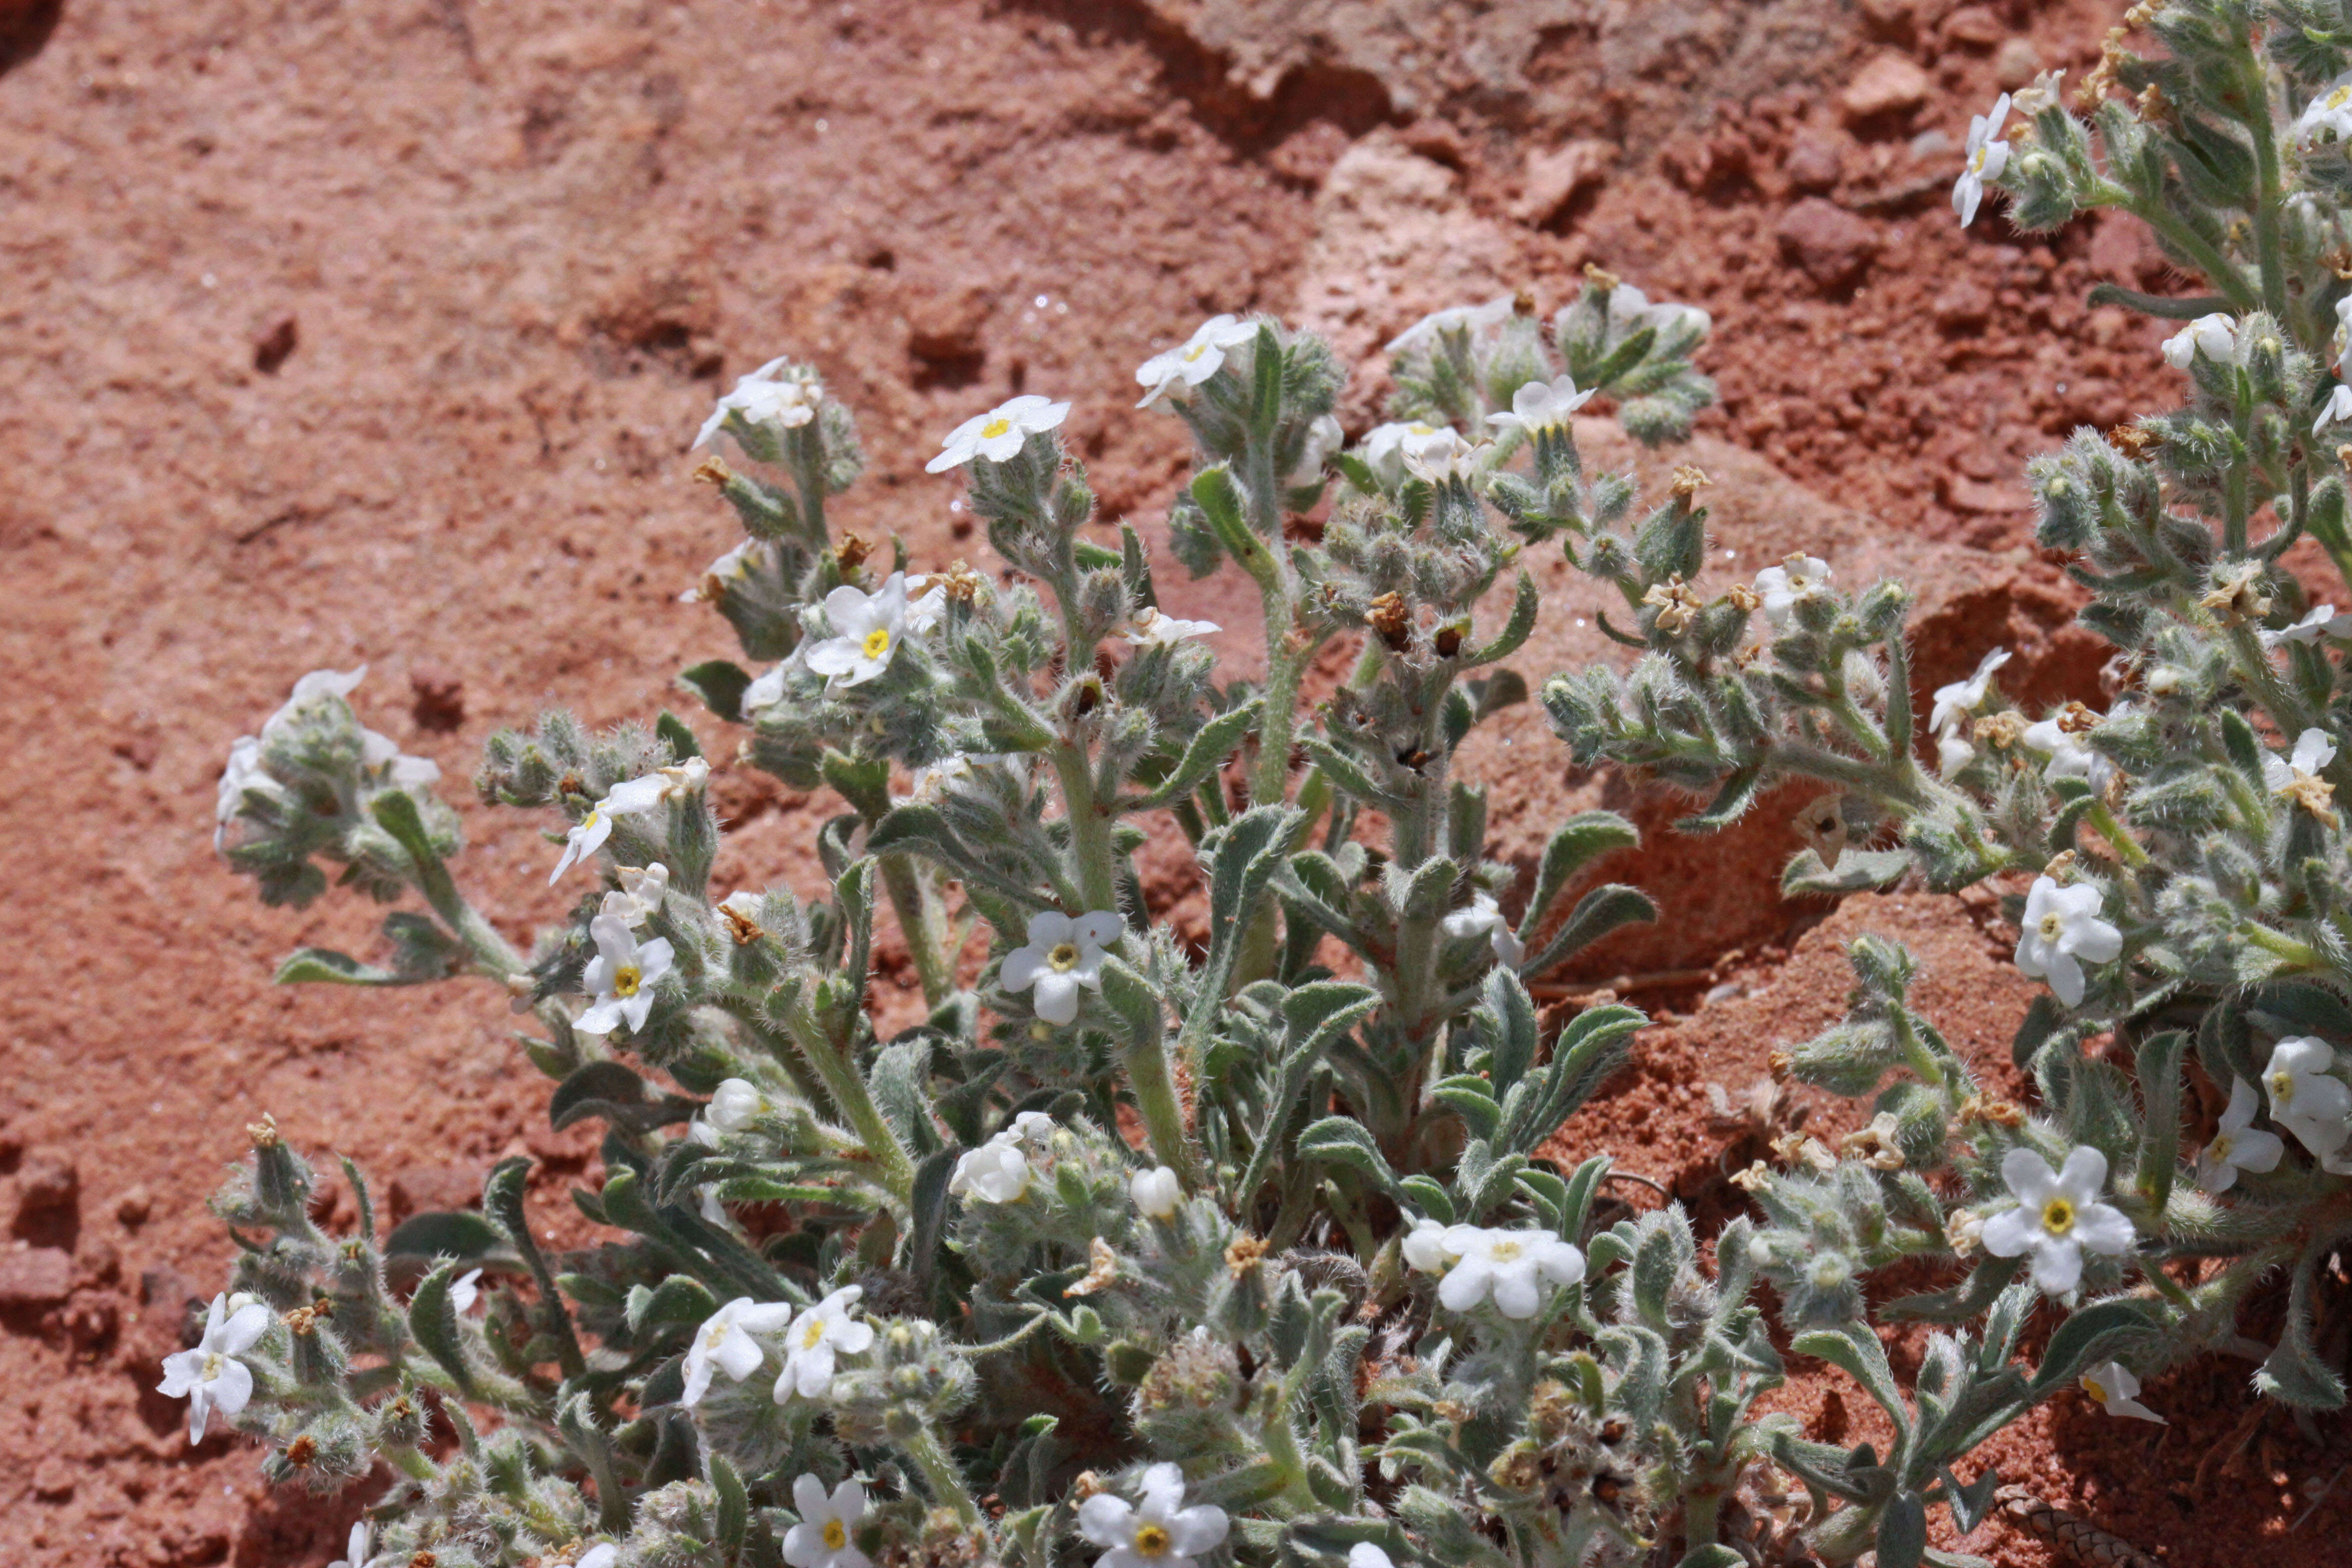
(342,335)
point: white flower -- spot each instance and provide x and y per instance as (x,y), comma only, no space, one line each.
(2313,750)
(2321,622)
(620,977)
(244,773)
(308,689)
(725,1343)
(768,689)
(2305,1098)
(1441,455)
(1034,1128)
(995,1173)
(1324,436)
(1988,156)
(1454,318)
(1194,360)
(383,755)
(735,1104)
(1159,1533)
(1630,311)
(589,834)
(2329,115)
(821,1540)
(2216,336)
(728,570)
(1367,1554)
(1383,446)
(2236,1145)
(2069,758)
(1149,629)
(2060,929)
(765,397)
(1155,1192)
(604,1554)
(1424,1245)
(813,1340)
(1062,955)
(999,434)
(2114,1386)
(464,1291)
(211,1375)
(1542,405)
(2338,407)
(1952,754)
(865,632)
(1957,700)
(357,1548)
(1784,588)
(1484,915)
(1515,1265)
(2057,1215)
(639,897)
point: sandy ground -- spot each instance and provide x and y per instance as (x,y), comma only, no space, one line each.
(376,334)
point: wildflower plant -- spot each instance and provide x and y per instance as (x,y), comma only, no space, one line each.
(1261,1248)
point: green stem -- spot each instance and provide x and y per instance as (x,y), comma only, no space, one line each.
(1091,842)
(919,919)
(1156,1101)
(2269,244)
(940,1478)
(847,1089)
(2199,251)
(2113,832)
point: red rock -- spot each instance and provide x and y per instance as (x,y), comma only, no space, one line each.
(1832,245)
(434,1189)
(35,1277)
(1554,179)
(1890,84)
(1816,160)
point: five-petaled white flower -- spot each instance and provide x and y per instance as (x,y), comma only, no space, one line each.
(1957,700)
(357,1548)
(1630,311)
(1155,1192)
(2214,336)
(727,1343)
(1034,1128)
(1383,446)
(604,1554)
(639,897)
(2313,750)
(1149,629)
(2338,407)
(1454,318)
(2058,1214)
(2329,115)
(726,571)
(1441,455)
(2113,1385)
(1424,1245)
(1158,1533)
(1324,436)
(2320,621)
(2062,927)
(1000,434)
(244,773)
(1484,915)
(1062,955)
(1784,588)
(1988,156)
(821,1540)
(1367,1554)
(588,835)
(766,398)
(2237,1145)
(816,1336)
(996,1172)
(2305,1098)
(1513,1265)
(1194,360)
(620,977)
(867,629)
(1542,405)
(211,1375)
(2069,758)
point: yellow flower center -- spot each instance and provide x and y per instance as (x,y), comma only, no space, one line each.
(1151,1540)
(2340,98)
(590,820)
(2051,926)
(2096,1389)
(995,428)
(626,980)
(2217,1151)
(836,1535)
(1504,1251)
(1193,354)
(715,1337)
(2058,1216)
(1976,159)
(214,1362)
(1417,429)
(2282,1086)
(1063,957)
(813,1335)
(877,642)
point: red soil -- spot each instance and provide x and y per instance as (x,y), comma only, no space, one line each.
(376,333)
